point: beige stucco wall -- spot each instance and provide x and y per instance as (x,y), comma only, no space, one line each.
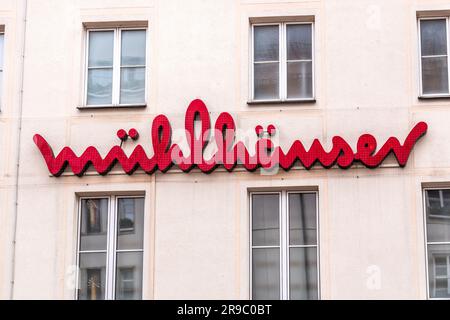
(10,17)
(197,225)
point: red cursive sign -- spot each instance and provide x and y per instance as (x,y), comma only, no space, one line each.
(229,152)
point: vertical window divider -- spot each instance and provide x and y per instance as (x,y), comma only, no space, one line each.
(250,236)
(282,61)
(109,263)
(313,62)
(280,245)
(419,27)
(448,53)
(251,80)
(116,67)
(77,258)
(425,202)
(147,65)
(86,67)
(317,245)
(286,244)
(114,248)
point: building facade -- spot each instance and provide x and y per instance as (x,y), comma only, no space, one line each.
(113,74)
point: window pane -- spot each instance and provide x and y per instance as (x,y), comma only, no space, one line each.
(133,47)
(433,36)
(302,219)
(434,75)
(101,44)
(438,215)
(437,260)
(299,80)
(266,43)
(129,276)
(303,273)
(130,223)
(2,38)
(92,276)
(265,220)
(441,288)
(132,85)
(438,202)
(266,274)
(99,89)
(94,224)
(266,81)
(440,265)
(299,46)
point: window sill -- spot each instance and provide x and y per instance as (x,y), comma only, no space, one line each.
(108,106)
(293,101)
(436,96)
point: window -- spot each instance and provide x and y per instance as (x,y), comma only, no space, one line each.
(116,67)
(433,42)
(109,260)
(282,62)
(284,250)
(437,208)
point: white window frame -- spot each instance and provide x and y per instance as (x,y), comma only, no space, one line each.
(116,68)
(111,246)
(282,60)
(427,243)
(433,95)
(284,245)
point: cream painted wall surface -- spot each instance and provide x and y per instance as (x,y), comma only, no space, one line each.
(11,19)
(197,225)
